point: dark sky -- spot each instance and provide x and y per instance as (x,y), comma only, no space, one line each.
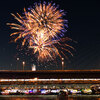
(84,27)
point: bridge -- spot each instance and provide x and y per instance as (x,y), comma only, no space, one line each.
(50,76)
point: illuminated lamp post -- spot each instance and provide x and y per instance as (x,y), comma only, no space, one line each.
(23,64)
(17,63)
(62,63)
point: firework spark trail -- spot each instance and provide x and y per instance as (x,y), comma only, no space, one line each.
(42,27)
(46,48)
(43,17)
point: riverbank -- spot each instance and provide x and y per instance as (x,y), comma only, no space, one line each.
(35,96)
(47,96)
(83,95)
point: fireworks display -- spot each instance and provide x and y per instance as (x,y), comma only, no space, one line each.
(42,27)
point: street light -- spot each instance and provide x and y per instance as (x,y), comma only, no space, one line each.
(17,63)
(62,63)
(23,64)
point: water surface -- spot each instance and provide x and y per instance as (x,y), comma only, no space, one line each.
(33,98)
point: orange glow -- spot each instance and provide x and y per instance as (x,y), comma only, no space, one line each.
(41,28)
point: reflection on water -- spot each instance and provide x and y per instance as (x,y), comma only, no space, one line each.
(24,98)
(31,98)
(83,98)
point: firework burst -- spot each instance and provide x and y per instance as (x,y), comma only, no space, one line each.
(42,17)
(42,28)
(47,50)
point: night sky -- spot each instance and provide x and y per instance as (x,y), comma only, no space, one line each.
(84,27)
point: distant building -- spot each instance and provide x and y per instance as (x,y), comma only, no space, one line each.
(33,67)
